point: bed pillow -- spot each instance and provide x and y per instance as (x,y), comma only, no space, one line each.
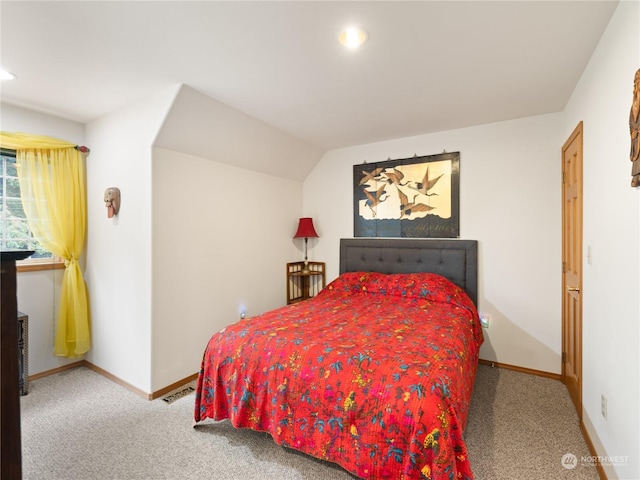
(355,282)
(430,286)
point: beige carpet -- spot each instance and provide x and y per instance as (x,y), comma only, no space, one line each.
(520,426)
(79,425)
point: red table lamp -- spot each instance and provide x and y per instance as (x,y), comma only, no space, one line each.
(306,231)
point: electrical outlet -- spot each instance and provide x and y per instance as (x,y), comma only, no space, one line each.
(603,405)
(484,320)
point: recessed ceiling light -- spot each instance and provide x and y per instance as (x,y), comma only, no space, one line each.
(352,37)
(4,75)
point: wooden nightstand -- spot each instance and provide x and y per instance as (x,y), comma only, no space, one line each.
(302,285)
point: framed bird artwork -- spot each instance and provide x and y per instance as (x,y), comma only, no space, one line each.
(416,197)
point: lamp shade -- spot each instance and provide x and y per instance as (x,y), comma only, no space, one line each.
(305,229)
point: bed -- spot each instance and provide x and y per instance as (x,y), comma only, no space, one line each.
(375,373)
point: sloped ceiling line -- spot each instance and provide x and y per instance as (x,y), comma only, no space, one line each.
(204,127)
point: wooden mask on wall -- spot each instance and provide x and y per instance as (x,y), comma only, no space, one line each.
(634,131)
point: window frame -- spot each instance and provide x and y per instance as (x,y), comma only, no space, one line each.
(31,264)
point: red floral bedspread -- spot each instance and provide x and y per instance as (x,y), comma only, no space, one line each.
(375,373)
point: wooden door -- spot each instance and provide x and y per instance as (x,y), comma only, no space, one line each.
(572,266)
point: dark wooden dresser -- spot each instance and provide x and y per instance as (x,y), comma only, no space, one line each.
(10,436)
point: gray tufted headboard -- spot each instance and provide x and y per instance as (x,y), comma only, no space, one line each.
(454,259)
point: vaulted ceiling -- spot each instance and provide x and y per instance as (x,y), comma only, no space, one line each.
(427,66)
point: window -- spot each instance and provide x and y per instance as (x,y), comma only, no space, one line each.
(14,227)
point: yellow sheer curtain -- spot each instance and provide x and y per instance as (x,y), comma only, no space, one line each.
(51,176)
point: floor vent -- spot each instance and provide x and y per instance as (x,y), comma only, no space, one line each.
(177,395)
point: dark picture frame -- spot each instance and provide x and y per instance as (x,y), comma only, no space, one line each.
(417,197)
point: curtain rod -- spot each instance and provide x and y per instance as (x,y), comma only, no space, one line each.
(82,149)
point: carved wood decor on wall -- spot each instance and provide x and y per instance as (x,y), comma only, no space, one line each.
(414,197)
(634,130)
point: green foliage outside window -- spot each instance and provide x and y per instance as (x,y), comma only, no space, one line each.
(14,227)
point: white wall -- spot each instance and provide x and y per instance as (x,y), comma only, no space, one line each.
(510,200)
(221,238)
(226,198)
(194,238)
(18,119)
(611,282)
(119,249)
(39,291)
